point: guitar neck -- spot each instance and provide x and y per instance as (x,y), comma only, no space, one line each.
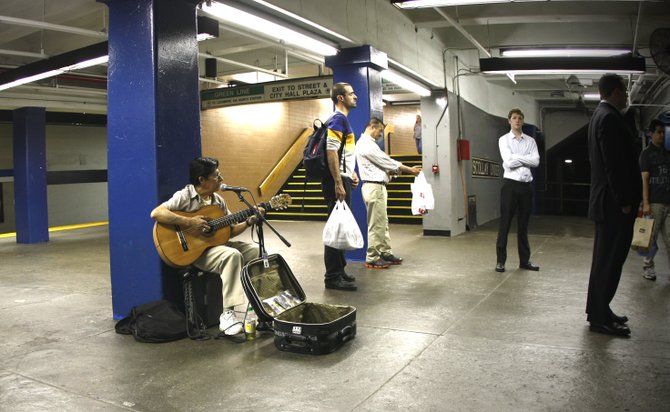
(234,218)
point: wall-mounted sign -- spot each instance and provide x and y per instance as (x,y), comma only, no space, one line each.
(304,88)
(486,168)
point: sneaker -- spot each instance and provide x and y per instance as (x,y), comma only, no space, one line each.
(377,264)
(228,323)
(390,258)
(649,273)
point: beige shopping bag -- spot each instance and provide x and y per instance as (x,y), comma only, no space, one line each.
(642,233)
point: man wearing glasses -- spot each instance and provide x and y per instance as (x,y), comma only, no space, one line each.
(375,168)
(226,260)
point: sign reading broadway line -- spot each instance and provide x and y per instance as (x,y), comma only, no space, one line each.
(306,88)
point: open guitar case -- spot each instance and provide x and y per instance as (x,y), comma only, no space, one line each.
(277,297)
(299,326)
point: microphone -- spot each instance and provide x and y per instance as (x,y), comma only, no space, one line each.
(224,187)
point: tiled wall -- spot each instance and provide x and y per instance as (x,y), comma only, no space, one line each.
(249,140)
(402,118)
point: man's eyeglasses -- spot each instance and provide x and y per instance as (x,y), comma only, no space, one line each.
(217,177)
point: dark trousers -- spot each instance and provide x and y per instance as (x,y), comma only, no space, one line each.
(334,258)
(610,249)
(515,198)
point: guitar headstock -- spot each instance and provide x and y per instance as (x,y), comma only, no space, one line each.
(280,201)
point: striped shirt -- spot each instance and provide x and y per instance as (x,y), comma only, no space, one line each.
(518,156)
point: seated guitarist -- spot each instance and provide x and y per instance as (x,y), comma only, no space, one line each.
(227,259)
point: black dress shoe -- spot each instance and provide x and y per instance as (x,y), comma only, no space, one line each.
(529,266)
(611,328)
(619,319)
(340,284)
(348,278)
(500,267)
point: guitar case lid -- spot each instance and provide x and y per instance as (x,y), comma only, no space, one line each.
(271,287)
(299,326)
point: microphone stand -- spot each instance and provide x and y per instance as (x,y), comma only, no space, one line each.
(260,219)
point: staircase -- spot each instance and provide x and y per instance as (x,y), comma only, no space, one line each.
(308,202)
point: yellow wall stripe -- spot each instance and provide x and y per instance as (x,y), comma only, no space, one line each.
(59,228)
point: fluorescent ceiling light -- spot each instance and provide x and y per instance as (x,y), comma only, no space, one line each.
(411,72)
(30,79)
(56,72)
(204,36)
(419,4)
(303,20)
(78,59)
(249,21)
(405,83)
(563,52)
(591,96)
(87,63)
(568,161)
(254,77)
(208,28)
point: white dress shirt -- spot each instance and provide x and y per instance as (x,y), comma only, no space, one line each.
(518,155)
(373,164)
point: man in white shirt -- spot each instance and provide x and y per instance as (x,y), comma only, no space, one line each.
(374,168)
(519,153)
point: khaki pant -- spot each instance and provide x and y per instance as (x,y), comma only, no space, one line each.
(662,226)
(379,240)
(228,260)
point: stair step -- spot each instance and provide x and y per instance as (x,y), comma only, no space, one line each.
(309,204)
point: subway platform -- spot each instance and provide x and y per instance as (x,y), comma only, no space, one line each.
(441,332)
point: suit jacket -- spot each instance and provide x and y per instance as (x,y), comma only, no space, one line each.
(615,174)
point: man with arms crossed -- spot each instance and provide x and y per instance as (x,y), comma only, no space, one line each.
(519,153)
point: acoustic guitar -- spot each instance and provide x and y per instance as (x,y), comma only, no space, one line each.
(179,247)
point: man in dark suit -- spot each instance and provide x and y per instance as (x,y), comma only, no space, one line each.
(615,195)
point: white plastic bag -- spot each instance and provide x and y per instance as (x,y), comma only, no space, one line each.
(422,195)
(341,230)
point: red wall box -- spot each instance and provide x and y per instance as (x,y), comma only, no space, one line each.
(463,149)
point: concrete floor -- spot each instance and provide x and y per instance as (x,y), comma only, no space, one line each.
(442,332)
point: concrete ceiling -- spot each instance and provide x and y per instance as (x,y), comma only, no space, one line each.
(34,29)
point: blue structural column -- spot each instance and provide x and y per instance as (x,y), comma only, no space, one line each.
(153,133)
(361,67)
(30,175)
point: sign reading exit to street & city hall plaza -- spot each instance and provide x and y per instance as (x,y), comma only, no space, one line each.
(306,88)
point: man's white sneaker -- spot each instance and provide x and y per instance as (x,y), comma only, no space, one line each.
(649,273)
(228,323)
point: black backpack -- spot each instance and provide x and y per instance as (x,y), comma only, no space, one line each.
(154,322)
(314,158)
